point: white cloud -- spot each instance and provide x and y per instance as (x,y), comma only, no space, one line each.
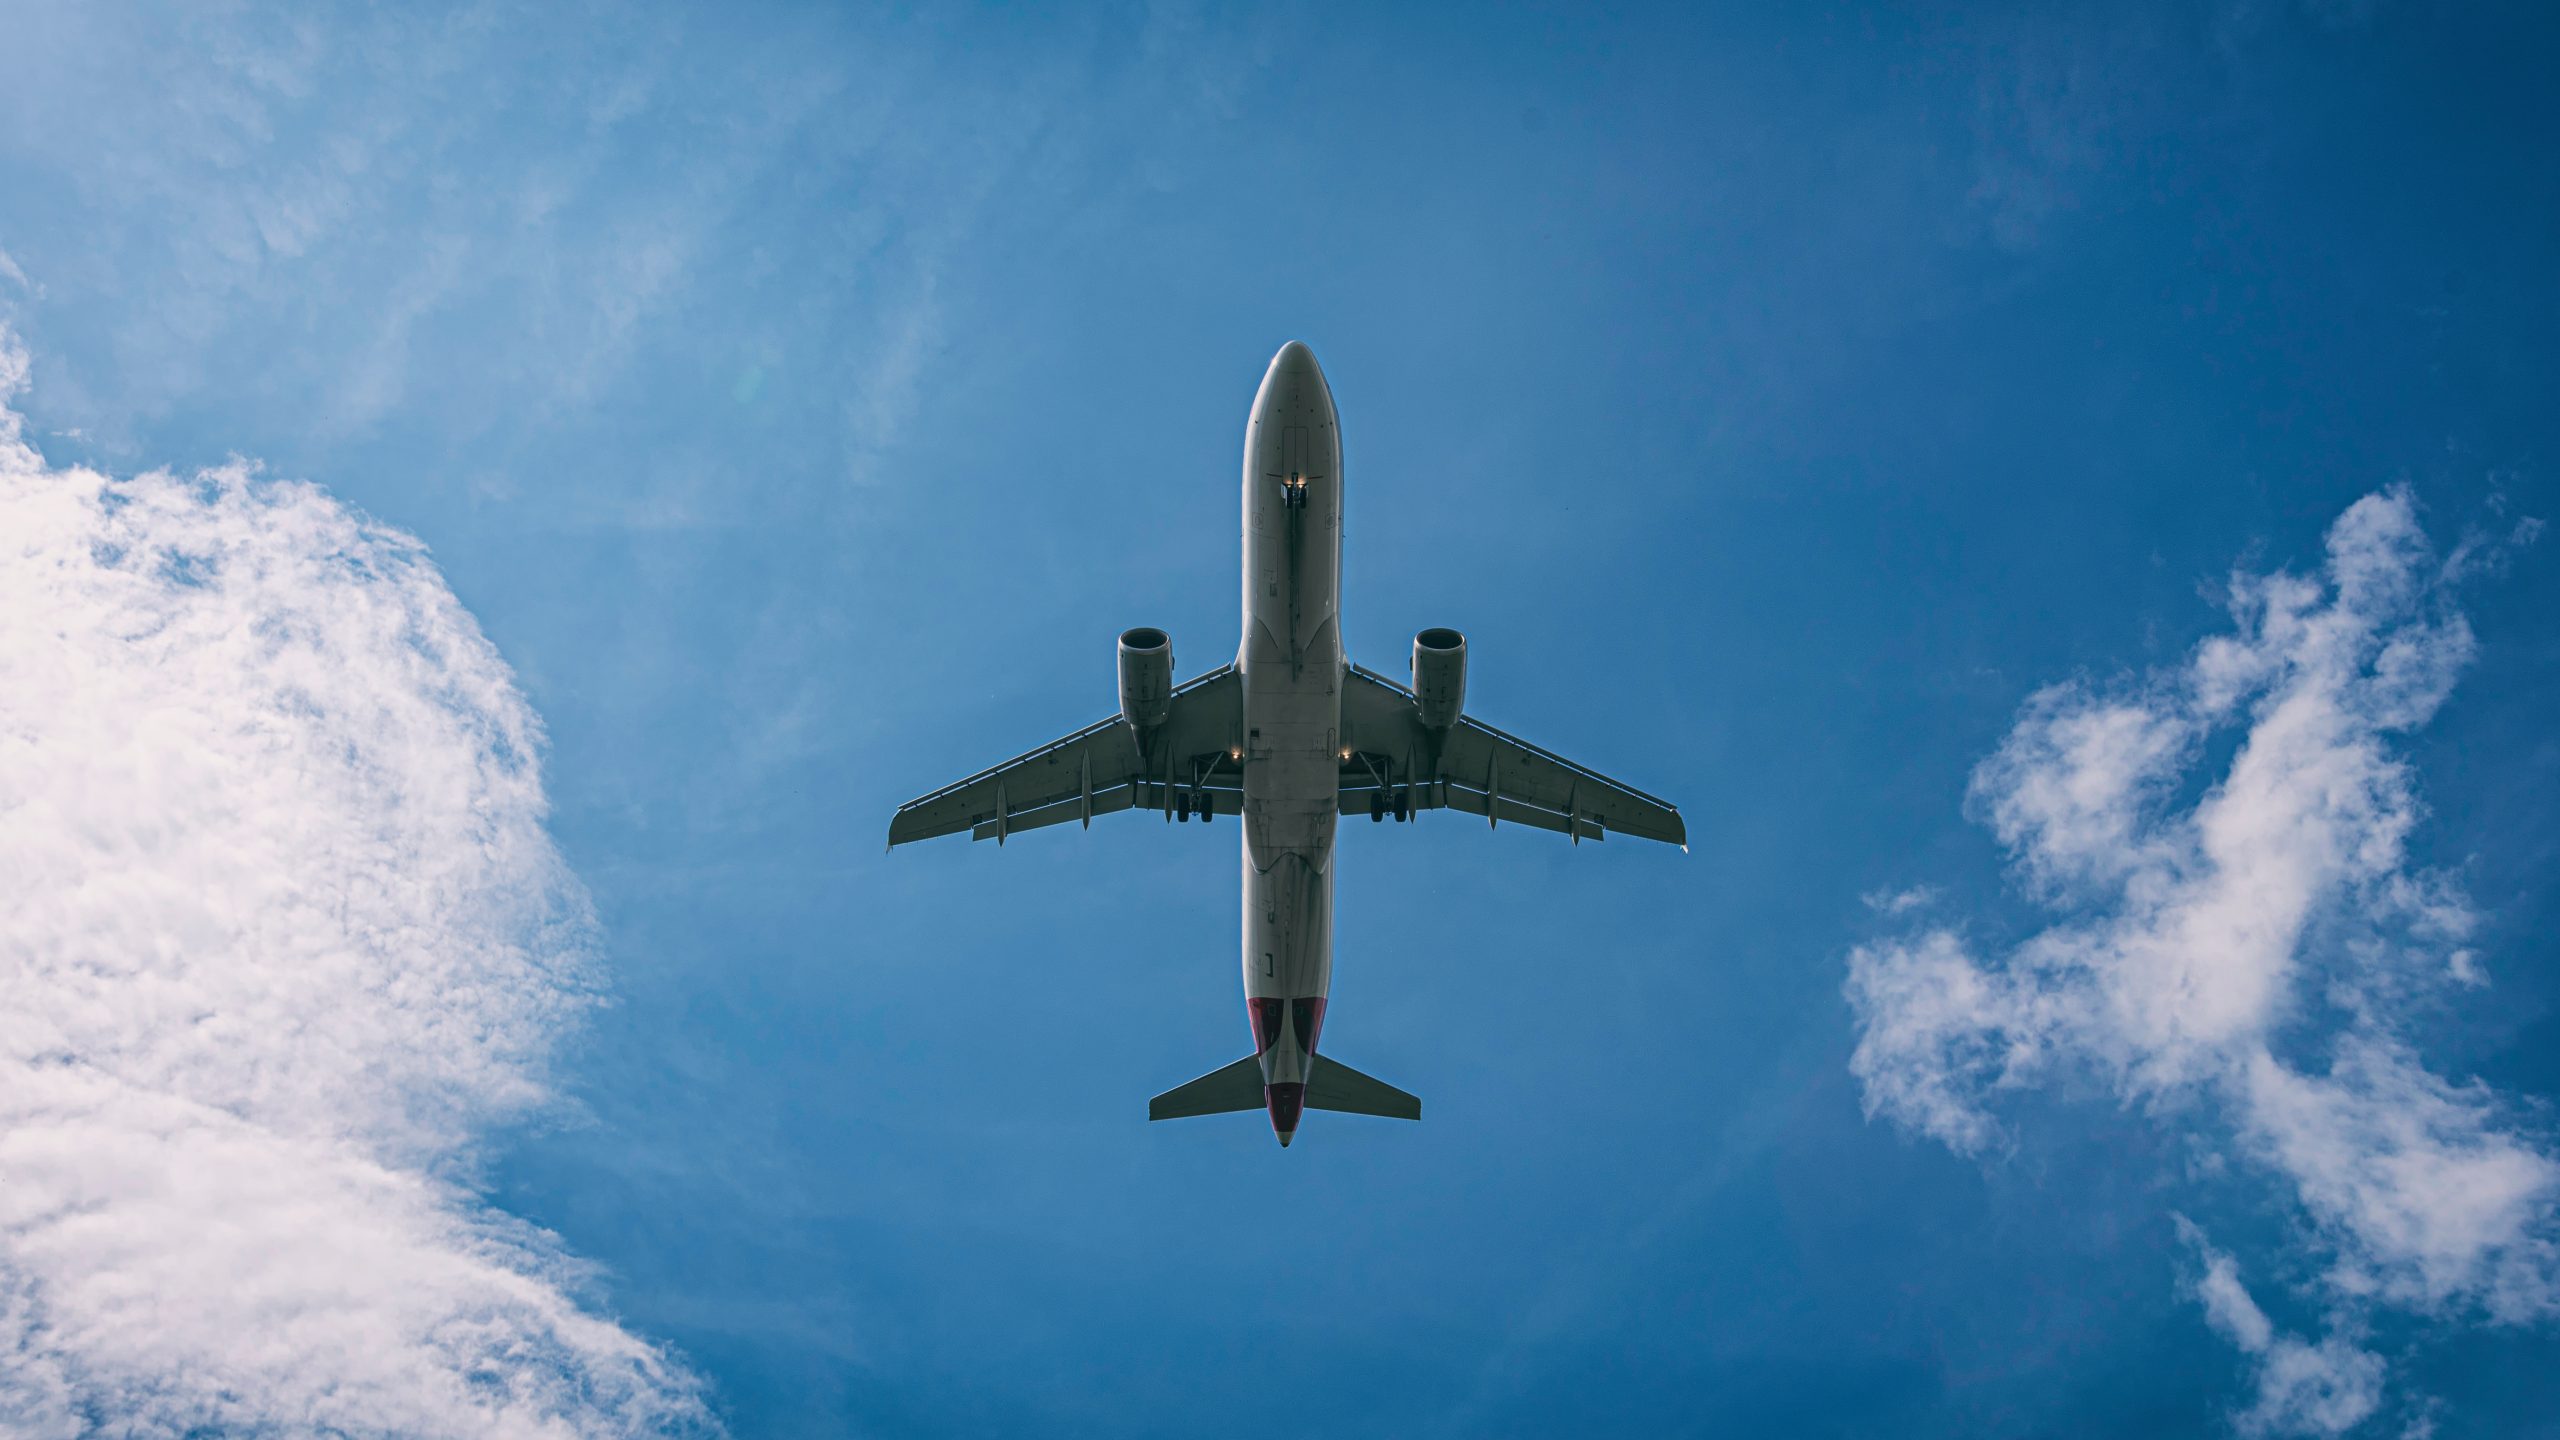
(2326,1388)
(282,932)
(1925,1052)
(2434,1201)
(2208,948)
(1900,902)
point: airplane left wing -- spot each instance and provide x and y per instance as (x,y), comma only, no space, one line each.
(1470,766)
(1187,764)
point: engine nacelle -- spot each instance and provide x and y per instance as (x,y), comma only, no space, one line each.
(1146,676)
(1440,676)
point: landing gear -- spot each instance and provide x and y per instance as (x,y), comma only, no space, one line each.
(1377,808)
(1182,806)
(1404,806)
(1208,809)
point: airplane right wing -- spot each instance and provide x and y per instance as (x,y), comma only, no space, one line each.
(1470,766)
(1188,762)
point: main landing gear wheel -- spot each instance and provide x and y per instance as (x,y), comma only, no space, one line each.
(1377,808)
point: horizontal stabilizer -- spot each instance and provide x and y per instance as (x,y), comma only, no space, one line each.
(1332,1085)
(1229,1087)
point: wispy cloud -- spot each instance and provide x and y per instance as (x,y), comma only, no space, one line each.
(2326,1388)
(2241,963)
(1900,902)
(417,218)
(282,933)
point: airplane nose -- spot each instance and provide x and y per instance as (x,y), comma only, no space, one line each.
(1294,384)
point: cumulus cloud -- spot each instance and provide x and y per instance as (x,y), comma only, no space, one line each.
(282,932)
(2239,955)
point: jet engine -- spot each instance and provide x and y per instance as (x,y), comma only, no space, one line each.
(1440,676)
(1146,676)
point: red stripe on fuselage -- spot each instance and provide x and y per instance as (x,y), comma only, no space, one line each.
(1265,1015)
(1308,1021)
(1307,1017)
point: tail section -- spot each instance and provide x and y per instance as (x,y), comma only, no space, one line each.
(1330,1085)
(1229,1087)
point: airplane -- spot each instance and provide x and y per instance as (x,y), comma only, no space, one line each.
(1289,738)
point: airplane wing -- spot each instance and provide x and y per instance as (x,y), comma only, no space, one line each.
(1188,761)
(1477,769)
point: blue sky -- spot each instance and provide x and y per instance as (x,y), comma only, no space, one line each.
(1781,398)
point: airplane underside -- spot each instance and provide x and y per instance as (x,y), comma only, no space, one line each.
(1290,737)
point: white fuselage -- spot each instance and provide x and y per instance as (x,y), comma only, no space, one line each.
(1292,668)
